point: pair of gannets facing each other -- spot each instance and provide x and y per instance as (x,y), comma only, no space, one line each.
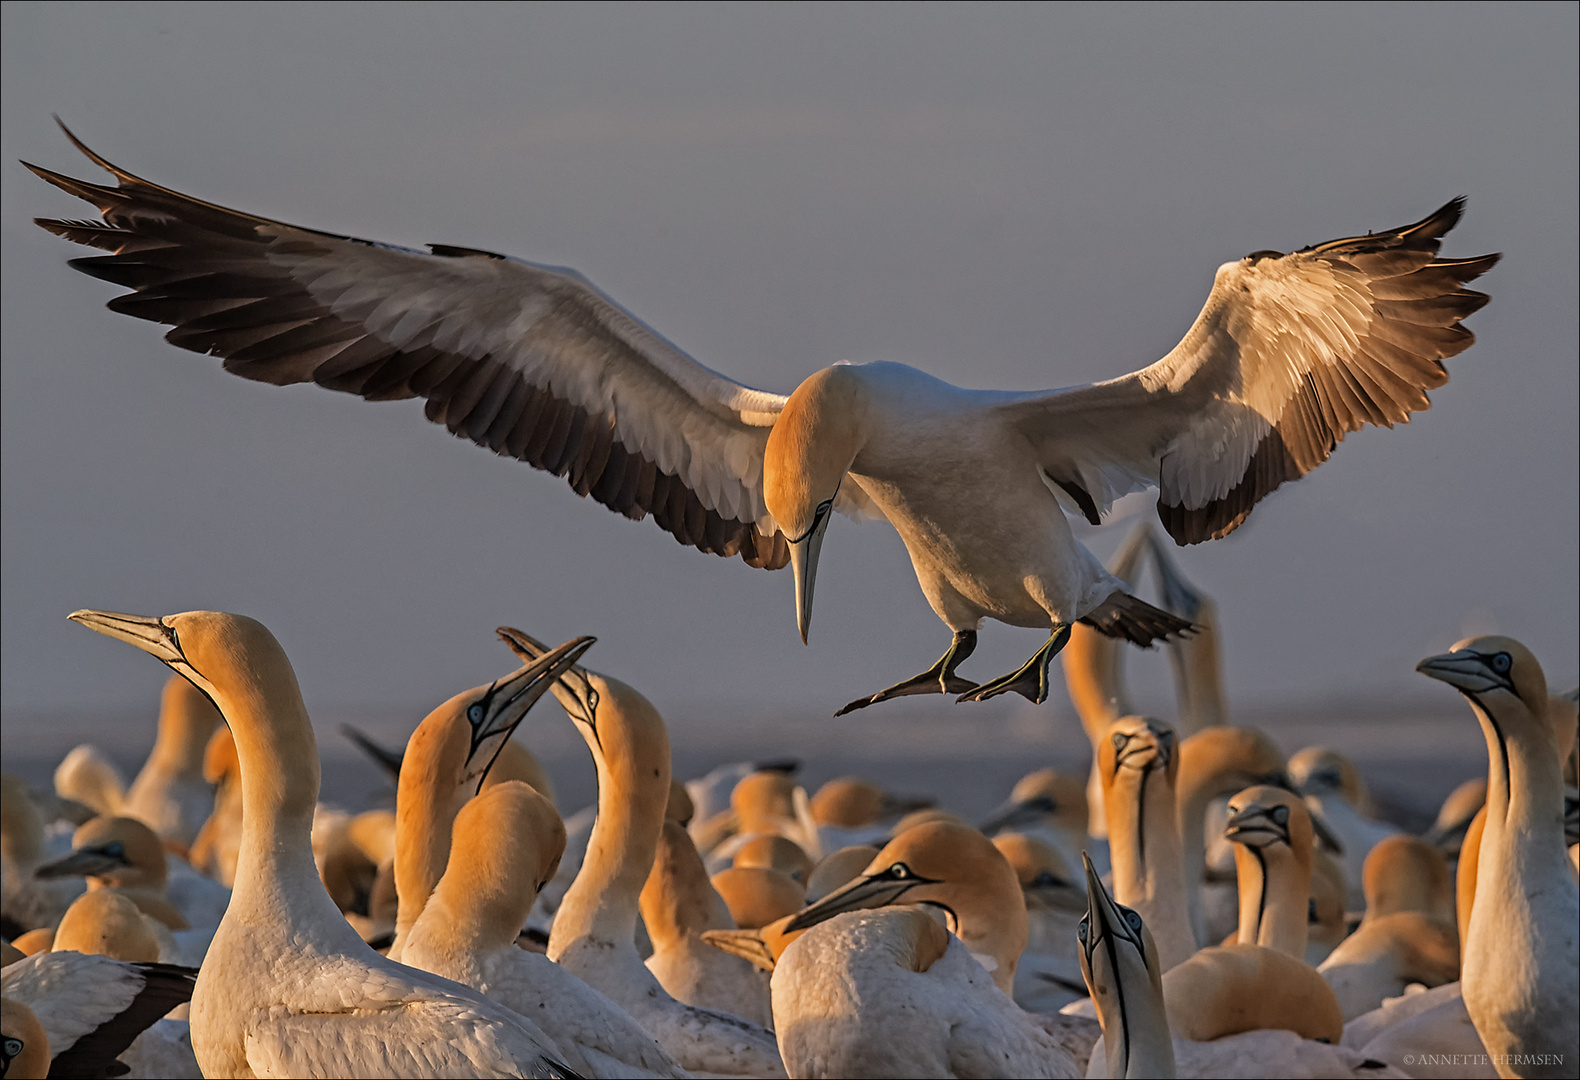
(90,1010)
(1232,1011)
(1290,353)
(1521,950)
(1408,933)
(288,988)
(594,931)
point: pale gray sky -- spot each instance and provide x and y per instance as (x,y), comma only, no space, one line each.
(1007,197)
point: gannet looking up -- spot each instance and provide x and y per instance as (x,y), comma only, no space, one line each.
(1138,762)
(594,932)
(1119,962)
(1521,952)
(288,988)
(446,762)
(507,843)
(170,795)
(953,869)
(1290,353)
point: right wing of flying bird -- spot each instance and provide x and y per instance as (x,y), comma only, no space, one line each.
(530,361)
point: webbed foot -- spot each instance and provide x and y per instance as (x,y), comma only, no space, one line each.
(938,679)
(1030,680)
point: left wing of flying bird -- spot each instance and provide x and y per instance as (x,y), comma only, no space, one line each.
(530,361)
(1291,353)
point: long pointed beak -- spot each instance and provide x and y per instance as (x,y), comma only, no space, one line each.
(803,563)
(85,863)
(387,759)
(1253,819)
(1461,670)
(573,689)
(147,632)
(514,695)
(877,890)
(1100,910)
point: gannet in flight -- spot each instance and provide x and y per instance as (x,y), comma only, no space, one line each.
(1290,353)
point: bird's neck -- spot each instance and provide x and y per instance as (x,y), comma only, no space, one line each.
(1524,809)
(678,901)
(1274,889)
(1136,1037)
(603,902)
(1147,858)
(424,816)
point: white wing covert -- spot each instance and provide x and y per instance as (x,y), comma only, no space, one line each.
(530,361)
(1290,354)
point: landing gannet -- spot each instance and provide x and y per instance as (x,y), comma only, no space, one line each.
(288,988)
(1521,954)
(446,762)
(594,930)
(892,993)
(1290,353)
(678,905)
(1138,761)
(170,795)
(506,843)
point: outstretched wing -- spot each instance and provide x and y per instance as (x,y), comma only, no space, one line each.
(530,361)
(1290,354)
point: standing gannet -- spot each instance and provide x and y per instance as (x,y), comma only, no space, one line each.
(1407,935)
(1273,843)
(678,905)
(92,1007)
(170,794)
(1242,1010)
(953,869)
(594,930)
(1521,950)
(1138,763)
(892,993)
(446,762)
(1214,762)
(1290,353)
(1335,793)
(506,844)
(288,988)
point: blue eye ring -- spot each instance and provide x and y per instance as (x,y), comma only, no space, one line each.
(1280,815)
(475,714)
(1502,662)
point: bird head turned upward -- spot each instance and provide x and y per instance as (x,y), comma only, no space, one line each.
(956,873)
(812,446)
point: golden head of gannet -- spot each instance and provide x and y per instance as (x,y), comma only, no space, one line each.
(113,852)
(107,923)
(1485,668)
(24,1047)
(1119,962)
(1273,839)
(850,802)
(762,800)
(809,450)
(957,873)
(1045,878)
(505,846)
(1043,796)
(1405,873)
(1134,748)
(776,853)
(1317,770)
(757,896)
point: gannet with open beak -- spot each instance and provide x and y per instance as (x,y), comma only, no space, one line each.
(506,844)
(1521,951)
(594,930)
(446,762)
(288,988)
(1138,761)
(91,1007)
(169,794)
(1290,353)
